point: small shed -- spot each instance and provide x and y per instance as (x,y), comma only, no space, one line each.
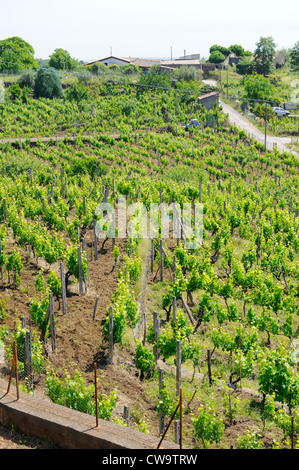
(208,100)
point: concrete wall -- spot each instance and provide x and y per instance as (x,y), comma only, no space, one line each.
(208,100)
(113,61)
(68,428)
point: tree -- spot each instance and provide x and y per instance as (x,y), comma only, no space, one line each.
(62,60)
(294,55)
(237,50)
(216,57)
(224,50)
(264,55)
(47,84)
(259,87)
(245,66)
(16,54)
(186,73)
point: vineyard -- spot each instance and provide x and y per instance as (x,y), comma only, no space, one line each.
(220,322)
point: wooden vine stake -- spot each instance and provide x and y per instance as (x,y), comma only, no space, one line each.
(1,267)
(63,288)
(96,393)
(28,359)
(178,366)
(95,239)
(209,366)
(110,354)
(156,335)
(81,290)
(161,261)
(14,365)
(52,322)
(4,209)
(174,308)
(152,255)
(161,415)
(127,415)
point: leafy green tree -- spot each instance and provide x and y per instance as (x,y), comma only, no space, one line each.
(237,50)
(245,66)
(47,84)
(62,60)
(188,74)
(263,55)
(259,87)
(16,54)
(224,50)
(294,55)
(216,57)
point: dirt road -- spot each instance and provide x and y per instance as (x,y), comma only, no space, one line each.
(238,119)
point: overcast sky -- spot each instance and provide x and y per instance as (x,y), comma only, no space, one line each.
(90,29)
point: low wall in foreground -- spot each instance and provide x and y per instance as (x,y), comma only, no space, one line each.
(69,428)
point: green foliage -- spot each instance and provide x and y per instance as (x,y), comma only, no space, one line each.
(154,79)
(47,84)
(264,55)
(27,79)
(237,50)
(54,283)
(259,87)
(294,55)
(223,50)
(125,311)
(16,54)
(15,91)
(245,66)
(77,93)
(2,308)
(144,358)
(61,59)
(72,262)
(250,440)
(284,421)
(167,403)
(40,282)
(207,427)
(216,57)
(14,264)
(19,335)
(276,377)
(38,311)
(73,393)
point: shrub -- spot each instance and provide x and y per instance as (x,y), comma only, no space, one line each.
(27,79)
(47,84)
(77,92)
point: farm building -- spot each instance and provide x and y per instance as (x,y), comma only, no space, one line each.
(144,64)
(208,100)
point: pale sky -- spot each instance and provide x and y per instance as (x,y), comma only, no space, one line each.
(90,29)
